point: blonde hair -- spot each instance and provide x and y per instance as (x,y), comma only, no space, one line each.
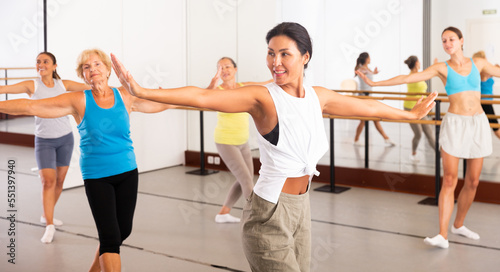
(85,55)
(479,54)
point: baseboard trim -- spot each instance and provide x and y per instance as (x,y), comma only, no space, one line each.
(17,139)
(367,178)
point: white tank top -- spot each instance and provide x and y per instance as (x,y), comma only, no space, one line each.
(50,128)
(302,142)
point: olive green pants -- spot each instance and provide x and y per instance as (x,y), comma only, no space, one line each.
(277,237)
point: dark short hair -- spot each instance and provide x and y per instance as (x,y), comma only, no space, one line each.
(297,33)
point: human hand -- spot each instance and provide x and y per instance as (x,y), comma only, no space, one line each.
(125,77)
(216,78)
(423,106)
(375,71)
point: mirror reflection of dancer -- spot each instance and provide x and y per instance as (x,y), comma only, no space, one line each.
(362,66)
(487,89)
(465,131)
(53,137)
(417,87)
(288,116)
(231,139)
(107,158)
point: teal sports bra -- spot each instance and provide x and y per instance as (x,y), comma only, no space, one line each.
(456,83)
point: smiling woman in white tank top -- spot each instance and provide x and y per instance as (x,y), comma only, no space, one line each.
(276,217)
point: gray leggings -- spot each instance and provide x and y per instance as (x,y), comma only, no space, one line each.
(417,130)
(238,159)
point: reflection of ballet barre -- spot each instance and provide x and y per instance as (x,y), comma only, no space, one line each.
(6,78)
(405,93)
(381,92)
(437,123)
(18,68)
(423,122)
(17,78)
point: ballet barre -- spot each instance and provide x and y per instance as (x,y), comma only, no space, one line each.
(6,78)
(332,187)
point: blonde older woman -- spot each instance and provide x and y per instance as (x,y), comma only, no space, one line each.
(107,157)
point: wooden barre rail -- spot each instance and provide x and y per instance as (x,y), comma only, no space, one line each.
(18,68)
(402,93)
(488,102)
(17,78)
(424,122)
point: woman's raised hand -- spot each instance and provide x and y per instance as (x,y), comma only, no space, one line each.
(216,78)
(125,77)
(423,106)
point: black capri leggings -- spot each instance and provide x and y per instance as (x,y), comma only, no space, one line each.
(112,201)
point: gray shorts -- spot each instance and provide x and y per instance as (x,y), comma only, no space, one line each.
(52,153)
(466,137)
(277,237)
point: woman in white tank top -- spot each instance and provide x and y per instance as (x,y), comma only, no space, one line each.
(49,84)
(277,237)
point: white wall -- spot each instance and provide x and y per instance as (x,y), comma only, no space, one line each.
(139,33)
(22,39)
(229,28)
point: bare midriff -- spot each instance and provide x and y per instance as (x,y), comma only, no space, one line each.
(465,103)
(296,186)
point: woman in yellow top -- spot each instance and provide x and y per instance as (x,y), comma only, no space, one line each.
(417,87)
(231,138)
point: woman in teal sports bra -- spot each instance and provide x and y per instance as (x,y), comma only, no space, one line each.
(465,129)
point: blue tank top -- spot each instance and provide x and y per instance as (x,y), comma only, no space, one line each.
(105,144)
(456,83)
(487,88)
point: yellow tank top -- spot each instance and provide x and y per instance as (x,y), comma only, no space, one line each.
(232,128)
(417,87)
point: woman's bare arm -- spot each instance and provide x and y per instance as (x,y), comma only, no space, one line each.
(337,104)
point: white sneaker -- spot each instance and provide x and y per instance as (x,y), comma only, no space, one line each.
(414,158)
(389,143)
(56,222)
(465,232)
(226,218)
(437,241)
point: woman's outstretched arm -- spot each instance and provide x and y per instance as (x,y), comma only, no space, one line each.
(337,104)
(54,107)
(245,99)
(426,74)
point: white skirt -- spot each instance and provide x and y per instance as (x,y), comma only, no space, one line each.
(466,137)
